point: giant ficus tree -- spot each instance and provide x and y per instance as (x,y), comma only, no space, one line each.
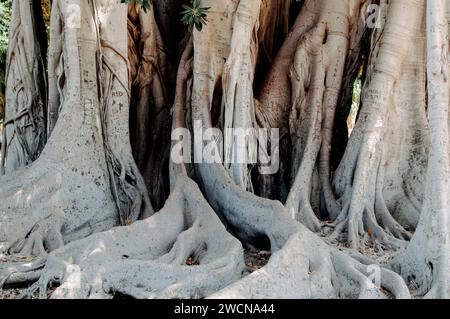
(103,207)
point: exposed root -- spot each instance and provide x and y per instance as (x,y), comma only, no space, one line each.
(369,224)
(19,270)
(426,262)
(45,236)
(306,149)
(148,258)
(315,94)
(127,184)
(61,211)
(301,261)
(184,251)
(187,244)
(306,267)
(239,104)
(86,173)
(383,216)
(362,230)
(363,179)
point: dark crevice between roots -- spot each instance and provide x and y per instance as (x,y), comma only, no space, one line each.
(255,260)
(354,71)
(197,255)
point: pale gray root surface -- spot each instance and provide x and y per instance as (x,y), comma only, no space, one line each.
(298,253)
(24,134)
(425,264)
(303,265)
(86,173)
(183,251)
(381,174)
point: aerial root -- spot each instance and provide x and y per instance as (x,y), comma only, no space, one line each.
(389,224)
(363,229)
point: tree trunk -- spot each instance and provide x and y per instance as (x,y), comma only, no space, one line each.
(24,135)
(339,208)
(425,263)
(85,179)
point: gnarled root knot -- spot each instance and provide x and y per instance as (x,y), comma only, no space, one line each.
(184,251)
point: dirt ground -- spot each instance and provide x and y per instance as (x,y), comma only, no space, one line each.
(255,260)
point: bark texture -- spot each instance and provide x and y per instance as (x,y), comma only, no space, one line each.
(24,133)
(363,215)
